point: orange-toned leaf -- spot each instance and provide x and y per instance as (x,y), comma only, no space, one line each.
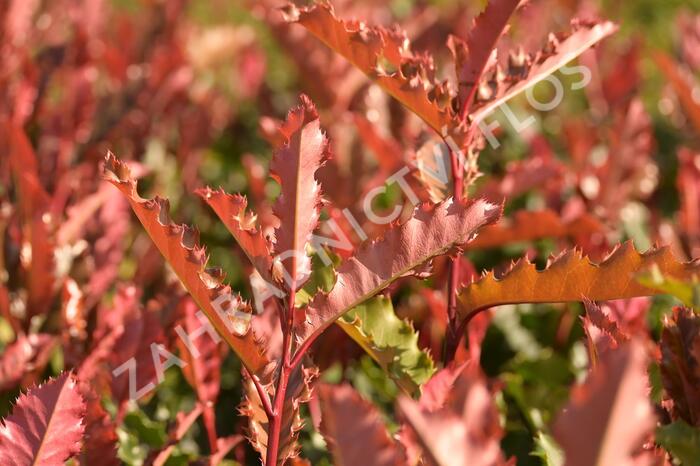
(179,245)
(610,410)
(46,425)
(231,209)
(294,167)
(570,277)
(532,225)
(431,231)
(354,429)
(411,80)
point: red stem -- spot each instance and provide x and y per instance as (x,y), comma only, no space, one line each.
(275,426)
(210,426)
(453,336)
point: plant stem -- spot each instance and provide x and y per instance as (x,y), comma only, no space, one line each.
(453,335)
(275,423)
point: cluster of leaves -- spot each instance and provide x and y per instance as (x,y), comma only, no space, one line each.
(391,336)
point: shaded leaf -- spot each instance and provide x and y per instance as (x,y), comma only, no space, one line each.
(183,422)
(683,84)
(354,429)
(610,410)
(25,356)
(390,341)
(603,332)
(46,425)
(680,365)
(571,276)
(430,232)
(179,245)
(682,441)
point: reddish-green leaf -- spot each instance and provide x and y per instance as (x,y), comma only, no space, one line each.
(431,231)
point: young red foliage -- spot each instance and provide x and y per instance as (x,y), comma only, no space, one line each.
(46,425)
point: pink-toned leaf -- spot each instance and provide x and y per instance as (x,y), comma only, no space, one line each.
(294,167)
(354,430)
(436,390)
(563,50)
(471,56)
(430,232)
(179,245)
(602,331)
(203,370)
(223,446)
(610,410)
(465,431)
(46,425)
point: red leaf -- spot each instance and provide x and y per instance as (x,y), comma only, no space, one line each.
(680,365)
(231,209)
(558,53)
(610,410)
(472,56)
(46,425)
(203,370)
(28,355)
(294,166)
(431,231)
(179,245)
(465,431)
(354,430)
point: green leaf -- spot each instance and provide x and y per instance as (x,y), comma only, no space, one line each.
(390,341)
(548,450)
(682,441)
(322,279)
(147,431)
(687,292)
